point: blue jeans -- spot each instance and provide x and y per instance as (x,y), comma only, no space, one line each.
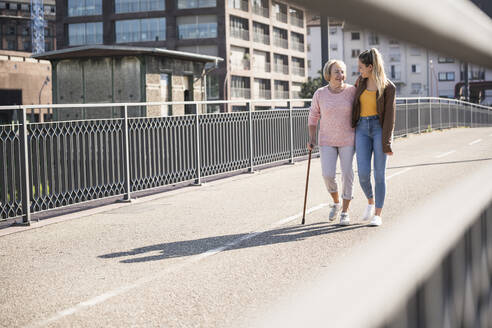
(368,140)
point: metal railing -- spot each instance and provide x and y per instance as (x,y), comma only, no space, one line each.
(54,164)
(295,45)
(280,42)
(281,68)
(263,67)
(262,11)
(243,64)
(241,93)
(263,94)
(296,21)
(298,71)
(240,34)
(261,38)
(281,17)
(432,269)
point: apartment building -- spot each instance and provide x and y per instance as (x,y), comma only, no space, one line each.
(262,41)
(415,71)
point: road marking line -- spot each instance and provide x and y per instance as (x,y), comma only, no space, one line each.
(118,291)
(398,173)
(474,142)
(446,154)
(106,296)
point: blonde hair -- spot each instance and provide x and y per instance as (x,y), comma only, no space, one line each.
(328,65)
(373,57)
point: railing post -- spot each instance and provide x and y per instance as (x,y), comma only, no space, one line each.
(127,156)
(406,117)
(471,116)
(250,114)
(440,114)
(449,114)
(418,115)
(291,129)
(430,113)
(26,185)
(198,153)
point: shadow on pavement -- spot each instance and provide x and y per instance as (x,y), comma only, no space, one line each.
(199,246)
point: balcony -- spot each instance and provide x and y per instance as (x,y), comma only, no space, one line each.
(240,34)
(300,71)
(281,17)
(282,43)
(244,93)
(263,94)
(242,5)
(295,45)
(240,64)
(281,94)
(262,67)
(296,21)
(261,38)
(262,11)
(281,68)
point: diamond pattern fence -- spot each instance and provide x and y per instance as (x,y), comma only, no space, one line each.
(72,162)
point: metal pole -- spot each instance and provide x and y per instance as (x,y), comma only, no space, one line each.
(198,155)
(471,116)
(291,129)
(418,115)
(127,156)
(440,114)
(430,113)
(406,116)
(249,108)
(26,186)
(449,113)
(325,44)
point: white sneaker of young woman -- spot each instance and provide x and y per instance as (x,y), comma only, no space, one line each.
(369,212)
(344,219)
(335,208)
(376,221)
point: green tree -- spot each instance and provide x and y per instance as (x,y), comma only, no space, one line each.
(310,86)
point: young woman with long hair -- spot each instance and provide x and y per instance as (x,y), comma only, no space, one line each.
(373,117)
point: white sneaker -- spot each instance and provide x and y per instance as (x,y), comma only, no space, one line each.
(344,219)
(335,208)
(369,212)
(376,221)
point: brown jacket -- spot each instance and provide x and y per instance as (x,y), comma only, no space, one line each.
(386,106)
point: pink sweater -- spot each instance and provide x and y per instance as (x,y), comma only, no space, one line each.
(335,111)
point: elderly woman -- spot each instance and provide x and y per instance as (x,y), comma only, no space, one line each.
(332,107)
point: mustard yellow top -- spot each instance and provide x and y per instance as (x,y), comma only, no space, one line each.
(368,105)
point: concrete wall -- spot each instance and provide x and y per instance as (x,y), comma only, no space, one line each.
(20,72)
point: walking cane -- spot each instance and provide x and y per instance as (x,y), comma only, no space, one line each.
(307,182)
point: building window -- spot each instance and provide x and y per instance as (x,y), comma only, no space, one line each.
(25,7)
(85,33)
(416,68)
(26,45)
(396,72)
(84,7)
(441,60)
(373,39)
(213,86)
(355,53)
(446,76)
(355,36)
(140,30)
(394,55)
(333,30)
(197,27)
(296,17)
(11,30)
(280,11)
(130,6)
(355,70)
(239,4)
(334,47)
(416,88)
(186,4)
(3,5)
(11,45)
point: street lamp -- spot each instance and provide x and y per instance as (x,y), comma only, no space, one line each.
(433,72)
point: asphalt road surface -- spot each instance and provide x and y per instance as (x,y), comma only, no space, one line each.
(219,255)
